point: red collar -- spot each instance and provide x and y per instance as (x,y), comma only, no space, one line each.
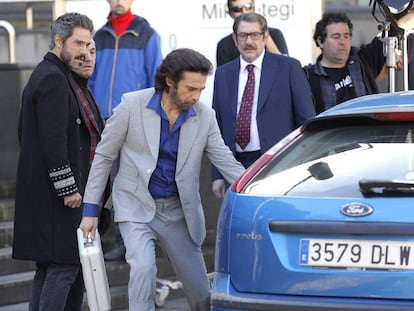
(121,23)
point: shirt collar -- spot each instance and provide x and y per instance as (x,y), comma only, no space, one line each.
(155,104)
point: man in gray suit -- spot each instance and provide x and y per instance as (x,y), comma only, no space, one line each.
(161,135)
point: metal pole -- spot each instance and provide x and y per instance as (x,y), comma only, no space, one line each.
(390,46)
(29,17)
(59,8)
(12,39)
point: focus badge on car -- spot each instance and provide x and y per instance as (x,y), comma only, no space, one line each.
(356,209)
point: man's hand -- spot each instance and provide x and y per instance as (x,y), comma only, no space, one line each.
(89,224)
(218,188)
(73,200)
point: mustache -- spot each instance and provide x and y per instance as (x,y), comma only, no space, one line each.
(249,47)
(80,58)
(81,61)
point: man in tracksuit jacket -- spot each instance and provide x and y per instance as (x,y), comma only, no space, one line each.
(128,53)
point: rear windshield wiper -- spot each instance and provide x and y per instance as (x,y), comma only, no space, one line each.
(372,187)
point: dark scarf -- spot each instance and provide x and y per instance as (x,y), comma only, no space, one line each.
(121,22)
(90,118)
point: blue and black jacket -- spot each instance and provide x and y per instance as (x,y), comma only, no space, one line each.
(125,63)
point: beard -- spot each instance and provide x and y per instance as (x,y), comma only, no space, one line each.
(73,62)
(177,101)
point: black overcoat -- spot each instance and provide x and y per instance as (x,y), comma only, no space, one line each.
(53,139)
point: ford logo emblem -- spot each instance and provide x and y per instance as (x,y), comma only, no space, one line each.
(356,209)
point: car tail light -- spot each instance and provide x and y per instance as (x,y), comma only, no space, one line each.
(240,184)
(244,179)
(395,116)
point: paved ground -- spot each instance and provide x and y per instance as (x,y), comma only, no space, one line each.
(178,304)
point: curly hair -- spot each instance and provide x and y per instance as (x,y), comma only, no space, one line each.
(327,19)
(179,61)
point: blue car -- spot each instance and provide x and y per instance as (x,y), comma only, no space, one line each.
(325,219)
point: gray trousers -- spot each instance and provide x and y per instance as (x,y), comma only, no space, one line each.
(169,230)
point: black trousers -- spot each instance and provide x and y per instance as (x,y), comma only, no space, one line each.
(57,287)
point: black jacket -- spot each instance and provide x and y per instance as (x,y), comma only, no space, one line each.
(364,65)
(53,145)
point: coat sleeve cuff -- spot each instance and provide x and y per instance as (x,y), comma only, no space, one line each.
(63,180)
(90,210)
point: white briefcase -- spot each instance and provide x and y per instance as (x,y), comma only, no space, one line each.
(94,272)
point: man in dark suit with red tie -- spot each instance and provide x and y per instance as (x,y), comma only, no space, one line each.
(259,97)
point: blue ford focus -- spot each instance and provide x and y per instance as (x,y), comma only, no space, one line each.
(325,219)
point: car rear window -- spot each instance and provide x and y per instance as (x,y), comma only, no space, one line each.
(330,161)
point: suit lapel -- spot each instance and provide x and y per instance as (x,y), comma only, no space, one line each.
(233,85)
(267,80)
(152,128)
(188,134)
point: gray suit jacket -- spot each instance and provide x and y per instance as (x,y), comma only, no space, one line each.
(133,132)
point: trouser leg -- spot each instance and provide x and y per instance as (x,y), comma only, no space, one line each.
(190,269)
(140,255)
(53,285)
(75,296)
(185,256)
(37,286)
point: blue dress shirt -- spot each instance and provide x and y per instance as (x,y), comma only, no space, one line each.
(162,183)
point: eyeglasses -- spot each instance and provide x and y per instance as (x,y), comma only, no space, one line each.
(239,9)
(242,36)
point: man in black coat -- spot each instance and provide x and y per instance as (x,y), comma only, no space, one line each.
(226,48)
(53,169)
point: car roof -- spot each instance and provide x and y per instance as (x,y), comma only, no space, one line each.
(369,106)
(383,102)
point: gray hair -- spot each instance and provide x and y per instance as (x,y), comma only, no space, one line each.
(64,25)
(250,18)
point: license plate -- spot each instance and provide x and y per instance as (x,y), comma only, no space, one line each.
(357,254)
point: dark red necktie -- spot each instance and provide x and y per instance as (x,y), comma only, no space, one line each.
(245,113)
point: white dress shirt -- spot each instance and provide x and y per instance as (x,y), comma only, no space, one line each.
(254,143)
